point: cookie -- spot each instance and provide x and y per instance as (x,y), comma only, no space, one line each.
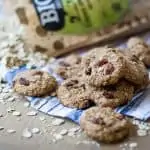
(69,71)
(73,93)
(103,124)
(70,60)
(140,49)
(136,71)
(12,61)
(106,67)
(112,95)
(34,83)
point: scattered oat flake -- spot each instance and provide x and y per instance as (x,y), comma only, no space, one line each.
(71,134)
(35,130)
(32,113)
(141,132)
(16,113)
(63,132)
(11,99)
(42,118)
(58,136)
(133,145)
(26,104)
(10,110)
(74,129)
(58,122)
(11,131)
(1,128)
(26,133)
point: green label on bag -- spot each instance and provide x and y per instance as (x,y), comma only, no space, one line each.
(79,16)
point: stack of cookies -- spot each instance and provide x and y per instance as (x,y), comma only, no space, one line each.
(105,77)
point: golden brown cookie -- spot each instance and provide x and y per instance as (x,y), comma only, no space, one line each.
(103,124)
(73,93)
(135,71)
(105,67)
(139,48)
(70,71)
(34,83)
(112,95)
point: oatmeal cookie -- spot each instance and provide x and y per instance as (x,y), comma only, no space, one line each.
(107,67)
(140,49)
(73,93)
(103,124)
(136,72)
(70,71)
(34,83)
(112,95)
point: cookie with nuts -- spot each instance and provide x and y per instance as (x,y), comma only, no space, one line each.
(105,125)
(34,83)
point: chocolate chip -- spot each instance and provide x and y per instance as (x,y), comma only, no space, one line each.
(111,88)
(120,117)
(108,94)
(72,82)
(134,58)
(97,120)
(38,73)
(23,81)
(88,71)
(109,69)
(63,63)
(102,62)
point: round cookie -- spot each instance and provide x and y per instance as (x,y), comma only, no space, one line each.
(73,93)
(112,95)
(70,71)
(105,68)
(136,72)
(140,49)
(70,60)
(34,83)
(103,124)
(135,41)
